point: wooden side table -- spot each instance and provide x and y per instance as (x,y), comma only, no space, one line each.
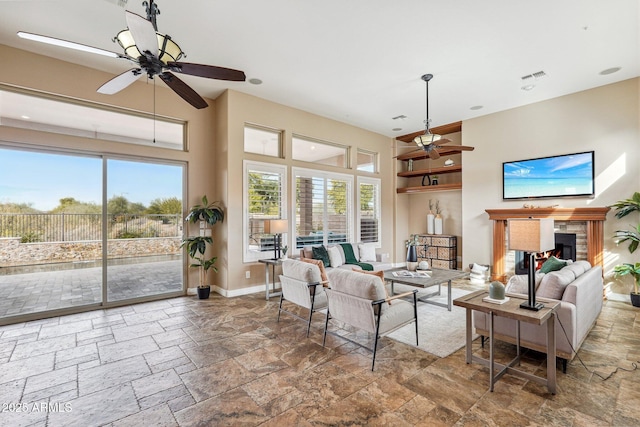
(511,309)
(273,263)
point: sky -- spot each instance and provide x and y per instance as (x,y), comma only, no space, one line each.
(42,179)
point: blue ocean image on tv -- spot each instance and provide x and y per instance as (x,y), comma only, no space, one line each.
(568,175)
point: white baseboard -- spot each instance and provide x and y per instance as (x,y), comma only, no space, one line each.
(240,292)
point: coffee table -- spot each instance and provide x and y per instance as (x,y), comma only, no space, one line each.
(437,277)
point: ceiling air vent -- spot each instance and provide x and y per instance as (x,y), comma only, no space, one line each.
(401,116)
(536,76)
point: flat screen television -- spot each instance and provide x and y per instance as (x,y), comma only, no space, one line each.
(567,175)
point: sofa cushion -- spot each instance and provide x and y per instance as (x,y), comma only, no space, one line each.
(335,256)
(320,252)
(519,284)
(367,252)
(552,264)
(553,284)
(380,274)
(320,264)
(578,269)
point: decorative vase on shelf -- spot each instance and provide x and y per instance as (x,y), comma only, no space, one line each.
(410,165)
(412,258)
(437,224)
(430,222)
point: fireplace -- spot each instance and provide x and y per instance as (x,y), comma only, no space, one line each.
(565,249)
(592,217)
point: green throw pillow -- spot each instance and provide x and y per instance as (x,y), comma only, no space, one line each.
(552,264)
(320,252)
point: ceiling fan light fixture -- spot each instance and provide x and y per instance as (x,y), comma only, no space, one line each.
(168,50)
(426,139)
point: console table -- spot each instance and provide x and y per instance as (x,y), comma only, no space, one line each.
(511,309)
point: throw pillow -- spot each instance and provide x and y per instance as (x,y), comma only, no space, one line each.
(554,284)
(519,284)
(335,257)
(367,252)
(380,274)
(552,264)
(323,272)
(320,252)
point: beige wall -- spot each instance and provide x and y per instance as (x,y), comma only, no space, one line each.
(49,75)
(605,119)
(241,108)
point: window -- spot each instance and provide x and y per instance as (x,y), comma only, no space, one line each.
(367,161)
(261,140)
(264,199)
(36,111)
(323,153)
(369,209)
(323,207)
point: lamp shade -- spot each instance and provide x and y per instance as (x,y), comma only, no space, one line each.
(531,234)
(276,226)
(426,139)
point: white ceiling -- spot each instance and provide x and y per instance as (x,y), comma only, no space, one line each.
(360,61)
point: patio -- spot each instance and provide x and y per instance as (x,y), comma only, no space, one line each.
(33,289)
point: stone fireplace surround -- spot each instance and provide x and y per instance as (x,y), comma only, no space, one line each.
(586,223)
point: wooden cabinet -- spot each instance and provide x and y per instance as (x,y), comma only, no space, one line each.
(439,250)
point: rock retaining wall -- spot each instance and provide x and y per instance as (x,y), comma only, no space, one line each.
(14,253)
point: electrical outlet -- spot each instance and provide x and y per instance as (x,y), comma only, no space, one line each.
(202,224)
(247,274)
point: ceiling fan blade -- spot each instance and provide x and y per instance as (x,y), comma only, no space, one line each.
(208,71)
(70,45)
(184,90)
(408,152)
(144,35)
(464,148)
(433,154)
(120,82)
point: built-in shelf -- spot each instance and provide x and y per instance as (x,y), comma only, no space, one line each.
(430,188)
(421,155)
(431,171)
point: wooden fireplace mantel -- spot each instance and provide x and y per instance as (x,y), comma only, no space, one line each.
(594,217)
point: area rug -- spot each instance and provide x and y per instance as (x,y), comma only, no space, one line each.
(440,332)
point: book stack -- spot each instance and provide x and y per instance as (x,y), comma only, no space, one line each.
(479,274)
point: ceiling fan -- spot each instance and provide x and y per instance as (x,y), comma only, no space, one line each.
(430,142)
(154,54)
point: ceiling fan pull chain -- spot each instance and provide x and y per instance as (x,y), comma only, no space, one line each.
(154,111)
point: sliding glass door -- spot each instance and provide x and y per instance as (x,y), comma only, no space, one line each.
(144,229)
(50,232)
(77,231)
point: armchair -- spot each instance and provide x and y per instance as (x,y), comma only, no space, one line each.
(360,300)
(302,285)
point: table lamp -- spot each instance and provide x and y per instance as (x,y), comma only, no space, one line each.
(276,227)
(531,235)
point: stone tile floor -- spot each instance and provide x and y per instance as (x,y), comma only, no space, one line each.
(226,361)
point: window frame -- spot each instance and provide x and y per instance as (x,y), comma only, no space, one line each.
(346,148)
(377,182)
(278,132)
(249,255)
(325,176)
(375,156)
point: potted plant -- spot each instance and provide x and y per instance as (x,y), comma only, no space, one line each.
(624,208)
(196,246)
(633,270)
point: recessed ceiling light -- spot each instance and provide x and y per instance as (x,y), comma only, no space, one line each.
(396,129)
(610,71)
(528,87)
(476,107)
(25,117)
(255,81)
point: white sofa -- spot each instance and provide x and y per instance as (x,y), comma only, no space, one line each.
(364,252)
(578,287)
